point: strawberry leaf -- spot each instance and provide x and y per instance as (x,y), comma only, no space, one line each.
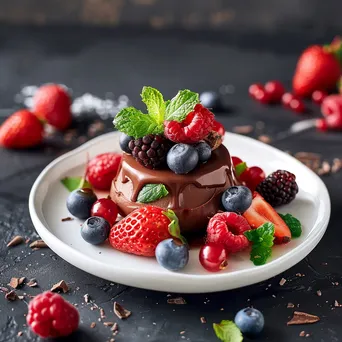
(154,102)
(293,223)
(227,331)
(240,168)
(73,183)
(174,228)
(152,192)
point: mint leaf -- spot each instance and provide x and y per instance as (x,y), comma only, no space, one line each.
(133,122)
(240,168)
(181,105)
(260,254)
(154,102)
(174,228)
(73,183)
(152,192)
(227,331)
(293,223)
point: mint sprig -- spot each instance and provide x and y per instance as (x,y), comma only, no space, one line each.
(262,239)
(152,192)
(181,105)
(73,183)
(293,223)
(240,168)
(154,102)
(174,228)
(227,331)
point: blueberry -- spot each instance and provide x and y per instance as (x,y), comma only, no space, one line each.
(204,151)
(172,255)
(250,321)
(80,201)
(95,230)
(124,141)
(237,199)
(210,99)
(182,158)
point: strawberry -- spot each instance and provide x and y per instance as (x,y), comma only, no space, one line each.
(141,231)
(21,130)
(102,169)
(261,212)
(51,103)
(318,68)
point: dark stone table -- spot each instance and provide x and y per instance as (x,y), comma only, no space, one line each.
(121,62)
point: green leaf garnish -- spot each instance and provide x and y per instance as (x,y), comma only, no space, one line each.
(262,239)
(181,105)
(174,228)
(227,331)
(73,183)
(240,168)
(152,192)
(133,122)
(154,102)
(293,223)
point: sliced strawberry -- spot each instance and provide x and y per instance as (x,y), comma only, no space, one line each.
(261,212)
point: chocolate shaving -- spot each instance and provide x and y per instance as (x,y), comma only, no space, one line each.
(38,244)
(290,305)
(115,327)
(102,313)
(337,304)
(21,297)
(60,286)
(16,282)
(86,298)
(266,139)
(203,320)
(246,129)
(11,296)
(337,165)
(92,325)
(65,219)
(319,293)
(214,140)
(282,281)
(17,240)
(108,324)
(120,311)
(32,283)
(4,289)
(303,318)
(178,301)
(325,169)
(20,333)
(302,333)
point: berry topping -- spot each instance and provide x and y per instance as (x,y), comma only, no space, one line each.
(204,151)
(194,128)
(254,88)
(219,128)
(141,231)
(237,199)
(172,254)
(21,130)
(210,99)
(318,96)
(236,161)
(227,229)
(261,212)
(250,321)
(150,150)
(106,208)
(262,96)
(297,105)
(95,230)
(252,177)
(286,99)
(182,158)
(213,257)
(49,315)
(51,103)
(275,89)
(102,169)
(124,142)
(80,202)
(279,188)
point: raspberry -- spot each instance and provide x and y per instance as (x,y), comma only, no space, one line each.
(278,188)
(193,129)
(150,150)
(49,315)
(227,229)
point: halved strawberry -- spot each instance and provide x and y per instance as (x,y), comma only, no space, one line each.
(261,212)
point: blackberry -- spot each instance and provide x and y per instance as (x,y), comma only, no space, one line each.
(150,150)
(278,188)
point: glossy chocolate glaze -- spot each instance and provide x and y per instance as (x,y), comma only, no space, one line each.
(195,197)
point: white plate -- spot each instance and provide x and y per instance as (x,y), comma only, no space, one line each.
(47,207)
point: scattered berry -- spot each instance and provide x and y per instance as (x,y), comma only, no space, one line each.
(297,106)
(106,208)
(80,202)
(124,142)
(237,199)
(141,231)
(182,158)
(332,104)
(334,121)
(262,96)
(95,230)
(318,96)
(210,99)
(219,128)
(204,151)
(279,188)
(49,315)
(261,212)
(254,88)
(227,229)
(21,130)
(172,254)
(236,161)
(252,177)
(150,151)
(286,99)
(275,89)
(250,321)
(51,103)
(102,169)
(213,257)
(193,129)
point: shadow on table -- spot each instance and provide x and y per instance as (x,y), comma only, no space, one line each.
(78,336)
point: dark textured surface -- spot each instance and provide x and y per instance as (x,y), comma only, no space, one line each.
(101,61)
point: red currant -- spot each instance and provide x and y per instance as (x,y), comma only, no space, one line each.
(219,128)
(236,161)
(262,96)
(286,99)
(213,257)
(253,88)
(252,177)
(318,96)
(334,121)
(275,89)
(106,209)
(297,106)
(321,125)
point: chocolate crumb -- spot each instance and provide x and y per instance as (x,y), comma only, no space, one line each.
(337,304)
(92,325)
(245,129)
(17,240)
(337,165)
(115,327)
(302,333)
(303,318)
(16,282)
(266,139)
(182,332)
(203,320)
(4,289)
(108,324)
(102,313)
(11,296)
(177,301)
(21,297)
(120,311)
(307,335)
(112,340)
(319,293)
(32,283)
(60,286)
(325,168)
(86,298)
(20,333)
(290,305)
(282,281)
(38,244)
(214,140)
(65,219)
